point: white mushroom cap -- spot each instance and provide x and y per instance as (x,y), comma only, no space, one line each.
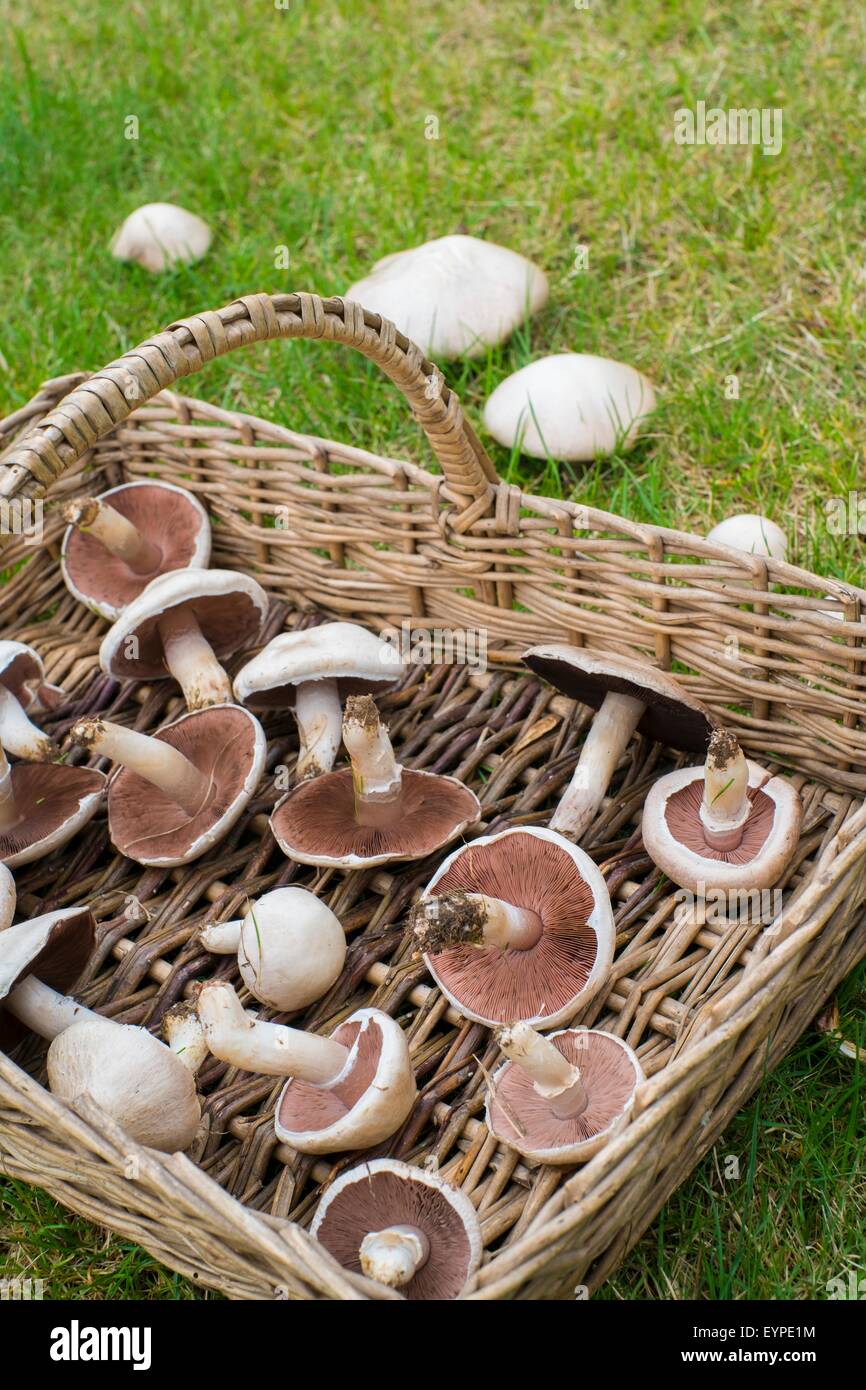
(365,1104)
(292,949)
(160,235)
(757,535)
(572,406)
(455,295)
(23,673)
(132,1076)
(699,871)
(7,897)
(333,651)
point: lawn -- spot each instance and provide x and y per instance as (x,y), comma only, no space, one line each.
(735,280)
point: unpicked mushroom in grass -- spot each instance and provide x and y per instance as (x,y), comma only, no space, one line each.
(561,1097)
(629,695)
(402,1227)
(182,625)
(374,812)
(118,542)
(23,688)
(290,948)
(517,926)
(757,535)
(313,671)
(180,791)
(159,236)
(348,1091)
(43,806)
(725,826)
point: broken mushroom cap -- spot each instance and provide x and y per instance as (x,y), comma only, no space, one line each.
(402,1226)
(42,806)
(374,812)
(118,542)
(54,948)
(628,695)
(180,791)
(290,948)
(314,671)
(562,1096)
(23,688)
(7,897)
(727,825)
(517,927)
(180,626)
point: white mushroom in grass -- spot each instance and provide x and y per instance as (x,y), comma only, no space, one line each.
(43,806)
(374,812)
(290,948)
(561,1097)
(313,671)
(180,791)
(159,236)
(755,534)
(117,543)
(23,688)
(629,695)
(181,625)
(348,1091)
(403,1227)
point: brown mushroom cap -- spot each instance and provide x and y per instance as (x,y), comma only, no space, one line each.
(21,672)
(53,801)
(169,517)
(546,983)
(610,1074)
(315,822)
(55,948)
(384,1192)
(672,716)
(224,742)
(304,1107)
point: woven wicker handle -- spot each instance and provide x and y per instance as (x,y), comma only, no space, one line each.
(93,408)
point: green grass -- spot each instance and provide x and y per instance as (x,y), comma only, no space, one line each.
(305,128)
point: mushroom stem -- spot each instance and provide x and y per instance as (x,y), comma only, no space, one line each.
(552,1075)
(222,938)
(268,1048)
(151,758)
(43,1010)
(603,747)
(184,1035)
(23,739)
(9,815)
(319,719)
(394,1255)
(375,770)
(114,531)
(474,919)
(725,806)
(190,659)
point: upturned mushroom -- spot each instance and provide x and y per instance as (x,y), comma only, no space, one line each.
(727,825)
(117,543)
(23,688)
(403,1227)
(349,1091)
(148,1088)
(314,671)
(628,695)
(42,806)
(180,625)
(374,812)
(561,1097)
(178,792)
(517,926)
(290,948)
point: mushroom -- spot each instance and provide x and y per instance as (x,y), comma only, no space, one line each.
(290,948)
(161,235)
(727,825)
(517,926)
(7,897)
(348,1091)
(179,791)
(22,688)
(455,295)
(181,623)
(316,669)
(572,406)
(117,543)
(561,1096)
(628,695)
(374,812)
(403,1227)
(757,535)
(42,806)
(148,1088)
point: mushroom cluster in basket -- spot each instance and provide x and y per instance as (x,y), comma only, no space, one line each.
(515,927)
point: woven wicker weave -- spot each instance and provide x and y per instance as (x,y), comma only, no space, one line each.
(381,541)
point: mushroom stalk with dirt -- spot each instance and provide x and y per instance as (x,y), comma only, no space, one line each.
(271,1049)
(473,919)
(111,529)
(157,762)
(23,688)
(19,734)
(554,1078)
(725,804)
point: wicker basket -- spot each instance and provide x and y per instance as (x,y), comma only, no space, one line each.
(709,1011)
